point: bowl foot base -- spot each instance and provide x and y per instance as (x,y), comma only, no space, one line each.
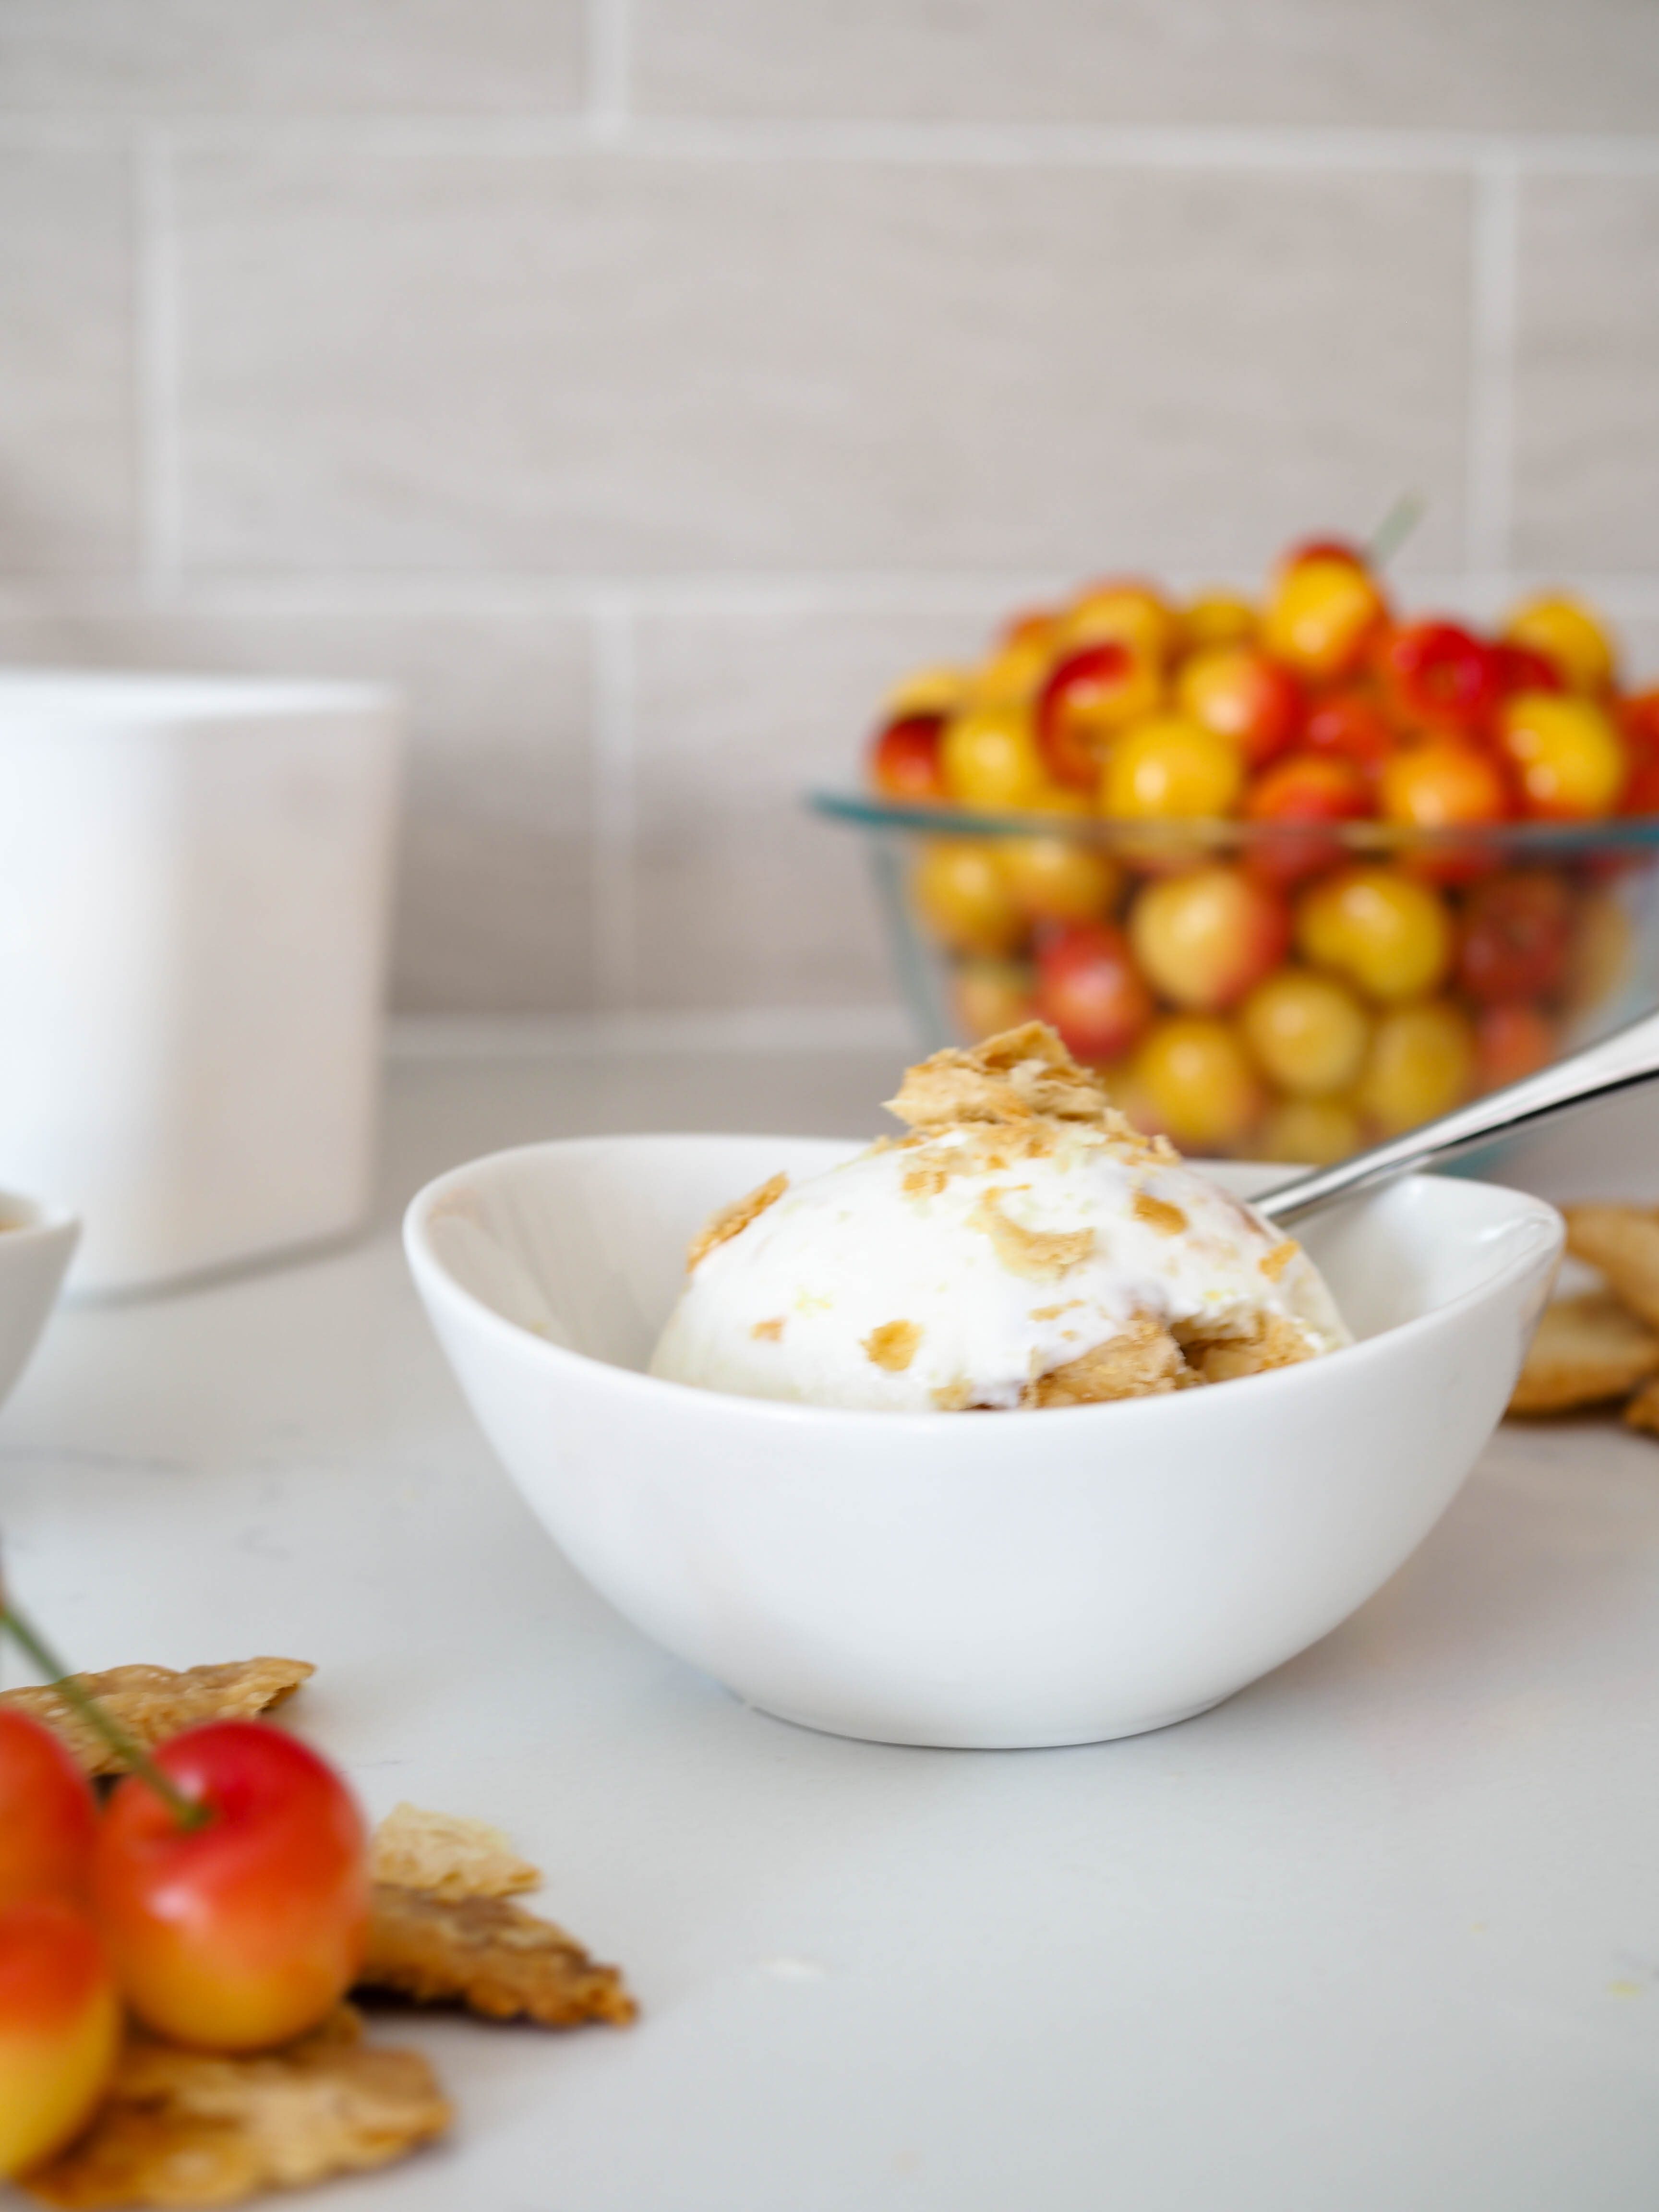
(941,1738)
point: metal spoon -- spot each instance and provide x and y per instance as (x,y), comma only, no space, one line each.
(1629,1056)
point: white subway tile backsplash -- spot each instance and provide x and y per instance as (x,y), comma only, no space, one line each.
(68,455)
(495,876)
(275,56)
(742,896)
(1587,396)
(587,364)
(1479,65)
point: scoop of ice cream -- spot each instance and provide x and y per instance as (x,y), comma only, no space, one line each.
(1023,1246)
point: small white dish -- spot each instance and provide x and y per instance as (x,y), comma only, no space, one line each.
(989,1580)
(37,1243)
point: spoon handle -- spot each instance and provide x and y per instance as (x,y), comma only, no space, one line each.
(1629,1056)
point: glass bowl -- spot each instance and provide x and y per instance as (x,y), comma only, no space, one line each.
(1269,990)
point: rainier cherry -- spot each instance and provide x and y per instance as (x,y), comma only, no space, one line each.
(1240,694)
(1204,939)
(245,1929)
(60,2028)
(47,1816)
(904,759)
(1568,636)
(1087,696)
(1089,989)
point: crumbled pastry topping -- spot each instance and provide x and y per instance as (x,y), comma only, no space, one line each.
(1040,1253)
(956,1396)
(1157,1213)
(1024,1075)
(893,1345)
(1054,1313)
(1223,1356)
(769,1332)
(1274,1263)
(1144,1361)
(731,1220)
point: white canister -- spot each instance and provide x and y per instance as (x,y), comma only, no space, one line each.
(195,879)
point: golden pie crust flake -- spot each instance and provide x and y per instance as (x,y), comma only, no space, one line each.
(1588,1349)
(181,2128)
(1623,1242)
(446,1856)
(489,1955)
(154,1703)
(1041,1255)
(731,1220)
(1024,1074)
(1144,1361)
(893,1345)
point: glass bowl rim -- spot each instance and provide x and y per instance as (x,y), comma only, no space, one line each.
(1519,840)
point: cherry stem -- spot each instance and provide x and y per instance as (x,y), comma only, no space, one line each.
(127,1748)
(1395,528)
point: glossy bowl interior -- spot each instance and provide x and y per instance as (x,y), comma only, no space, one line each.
(990,1580)
(1605,876)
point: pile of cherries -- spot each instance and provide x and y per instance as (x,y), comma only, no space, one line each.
(1275,990)
(226,1910)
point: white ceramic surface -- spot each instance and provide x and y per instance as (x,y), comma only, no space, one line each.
(194,888)
(999,1580)
(37,1243)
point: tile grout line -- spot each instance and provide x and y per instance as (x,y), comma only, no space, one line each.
(607,117)
(608,30)
(156,371)
(1632,593)
(1494,281)
(614,840)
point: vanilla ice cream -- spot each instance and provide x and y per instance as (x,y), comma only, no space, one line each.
(1023,1246)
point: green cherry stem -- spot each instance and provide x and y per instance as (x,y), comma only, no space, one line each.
(1395,528)
(126,1746)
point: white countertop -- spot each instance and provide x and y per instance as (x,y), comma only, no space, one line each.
(1380,1933)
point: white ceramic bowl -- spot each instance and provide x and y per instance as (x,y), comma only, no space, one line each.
(37,1243)
(993,1579)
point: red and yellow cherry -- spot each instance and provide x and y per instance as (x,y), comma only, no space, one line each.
(1216,619)
(1442,784)
(1322,548)
(1010,679)
(1167,767)
(934,690)
(993,995)
(963,897)
(1421,1063)
(1603,943)
(60,2029)
(1197,1082)
(1038,627)
(1514,939)
(988,758)
(1521,668)
(1240,695)
(1308,787)
(1088,987)
(1058,879)
(1302,788)
(47,1815)
(1638,725)
(1385,931)
(1308,1032)
(1312,1133)
(1203,939)
(1567,755)
(1133,614)
(1511,1040)
(904,760)
(1086,696)
(1323,617)
(246,1930)
(1348,725)
(1570,638)
(1439,675)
